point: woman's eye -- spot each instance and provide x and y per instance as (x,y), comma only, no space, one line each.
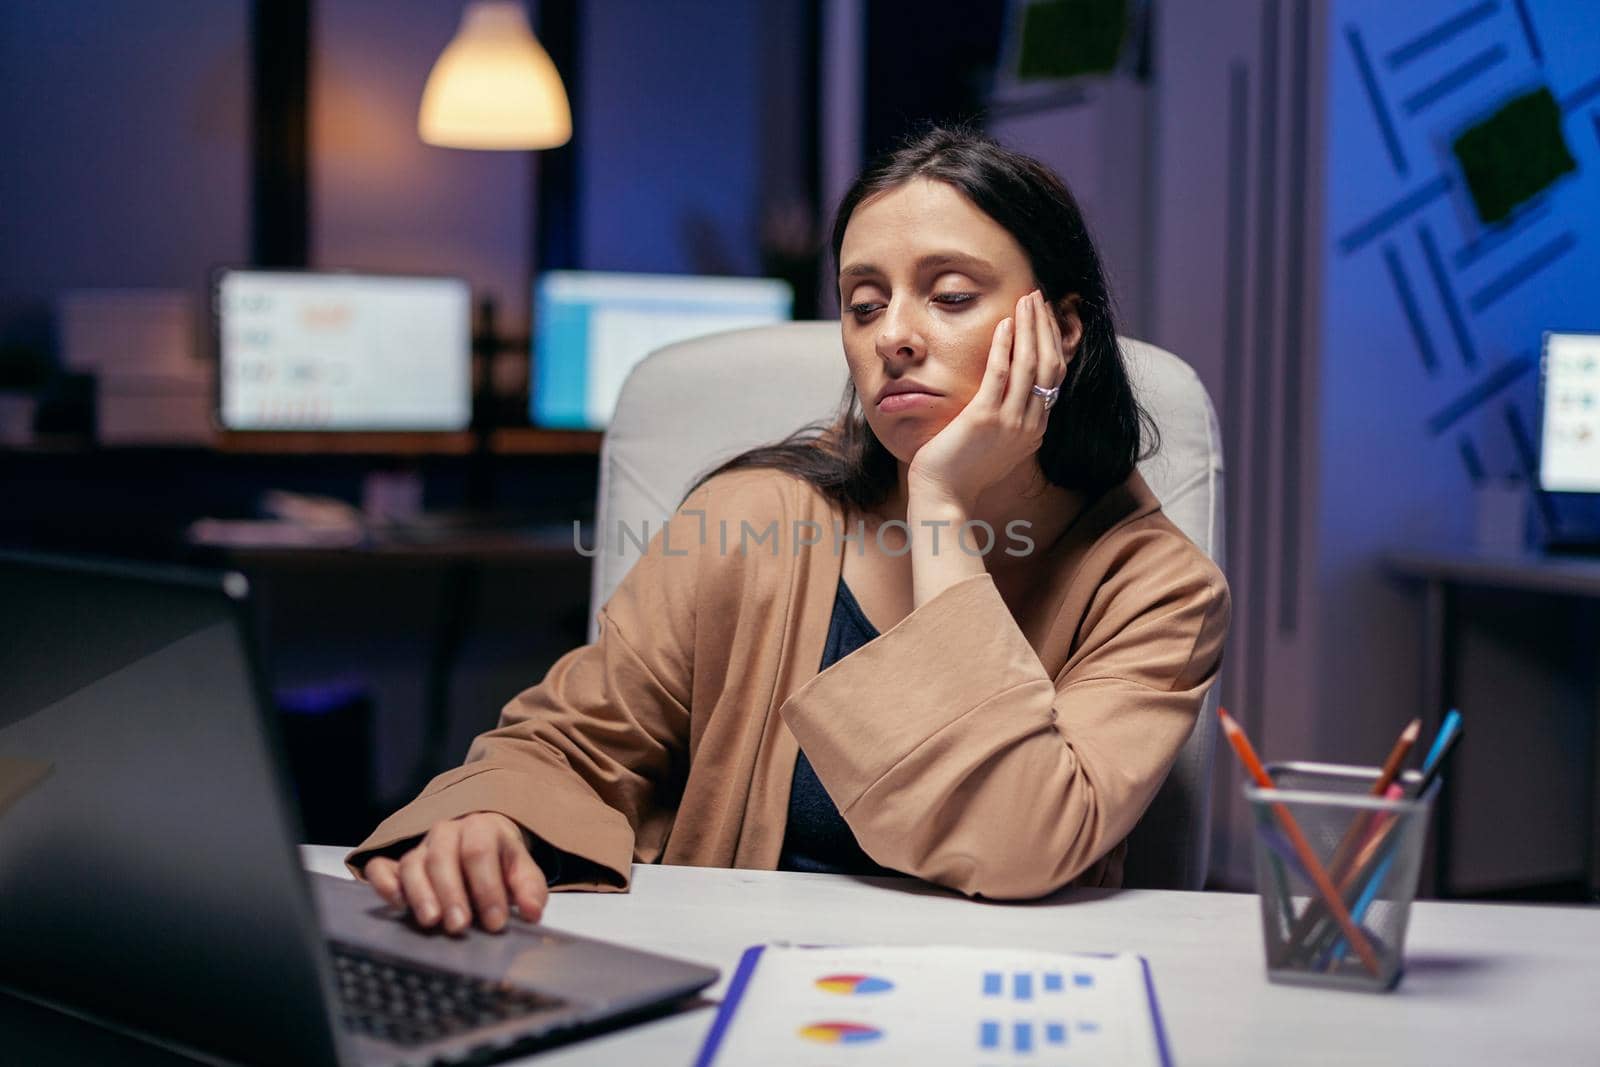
(863,308)
(954,298)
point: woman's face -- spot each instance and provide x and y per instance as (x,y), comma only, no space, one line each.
(924,278)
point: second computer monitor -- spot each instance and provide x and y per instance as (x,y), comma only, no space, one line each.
(334,351)
(593,326)
(1569,456)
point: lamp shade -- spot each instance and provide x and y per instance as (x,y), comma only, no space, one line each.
(493,86)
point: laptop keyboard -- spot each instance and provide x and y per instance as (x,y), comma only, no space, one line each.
(407,1003)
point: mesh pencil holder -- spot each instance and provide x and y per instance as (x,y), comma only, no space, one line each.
(1367,854)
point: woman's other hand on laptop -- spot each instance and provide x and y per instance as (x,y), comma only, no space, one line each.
(472,866)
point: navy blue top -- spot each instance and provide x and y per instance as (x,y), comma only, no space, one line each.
(817,838)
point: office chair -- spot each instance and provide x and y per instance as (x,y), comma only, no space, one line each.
(691,405)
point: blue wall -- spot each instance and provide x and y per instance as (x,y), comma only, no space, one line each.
(1432,319)
(1430,328)
(126,159)
(671,129)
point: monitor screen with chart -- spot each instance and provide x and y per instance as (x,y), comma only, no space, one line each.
(1569,454)
(593,326)
(334,351)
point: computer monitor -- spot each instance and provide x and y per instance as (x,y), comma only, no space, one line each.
(593,326)
(336,351)
(1569,455)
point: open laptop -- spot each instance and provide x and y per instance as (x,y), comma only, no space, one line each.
(149,879)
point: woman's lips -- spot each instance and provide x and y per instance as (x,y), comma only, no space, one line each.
(905,401)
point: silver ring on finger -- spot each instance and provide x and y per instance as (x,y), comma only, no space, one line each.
(1047,395)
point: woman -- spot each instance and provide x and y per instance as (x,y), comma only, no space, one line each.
(950,636)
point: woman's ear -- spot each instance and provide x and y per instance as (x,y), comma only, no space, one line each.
(1071,324)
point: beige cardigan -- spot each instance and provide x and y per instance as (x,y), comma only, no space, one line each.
(999,756)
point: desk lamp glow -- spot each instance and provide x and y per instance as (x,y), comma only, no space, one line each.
(494,85)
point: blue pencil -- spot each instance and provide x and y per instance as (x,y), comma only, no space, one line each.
(1447,729)
(1358,911)
(1443,742)
(1285,851)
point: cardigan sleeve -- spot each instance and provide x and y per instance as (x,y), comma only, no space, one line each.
(955,757)
(590,760)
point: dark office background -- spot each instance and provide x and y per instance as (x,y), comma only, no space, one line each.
(1276,186)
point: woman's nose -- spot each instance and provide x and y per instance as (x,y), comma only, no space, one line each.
(899,334)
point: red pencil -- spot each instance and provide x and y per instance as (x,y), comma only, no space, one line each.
(1318,933)
(1397,756)
(1308,858)
(1366,823)
(1341,868)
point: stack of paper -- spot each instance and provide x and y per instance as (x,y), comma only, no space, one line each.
(152,385)
(931,1005)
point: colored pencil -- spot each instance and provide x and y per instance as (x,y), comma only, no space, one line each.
(1439,755)
(1308,857)
(1370,893)
(1432,767)
(1397,756)
(1451,724)
(1280,855)
(1382,829)
(1361,827)
(1285,908)
(1373,840)
(1328,948)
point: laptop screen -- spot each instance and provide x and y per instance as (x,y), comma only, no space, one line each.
(592,327)
(301,350)
(1569,454)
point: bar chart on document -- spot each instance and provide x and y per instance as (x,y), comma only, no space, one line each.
(792,1005)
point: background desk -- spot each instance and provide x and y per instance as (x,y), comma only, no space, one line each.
(1486,984)
(1514,641)
(460,559)
(393,616)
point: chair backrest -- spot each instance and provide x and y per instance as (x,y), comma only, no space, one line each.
(693,404)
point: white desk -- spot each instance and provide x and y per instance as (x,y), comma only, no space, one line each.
(1485,983)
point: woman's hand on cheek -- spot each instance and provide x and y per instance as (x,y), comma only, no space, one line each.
(1003,424)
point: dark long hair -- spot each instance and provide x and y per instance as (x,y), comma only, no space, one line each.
(1095,432)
